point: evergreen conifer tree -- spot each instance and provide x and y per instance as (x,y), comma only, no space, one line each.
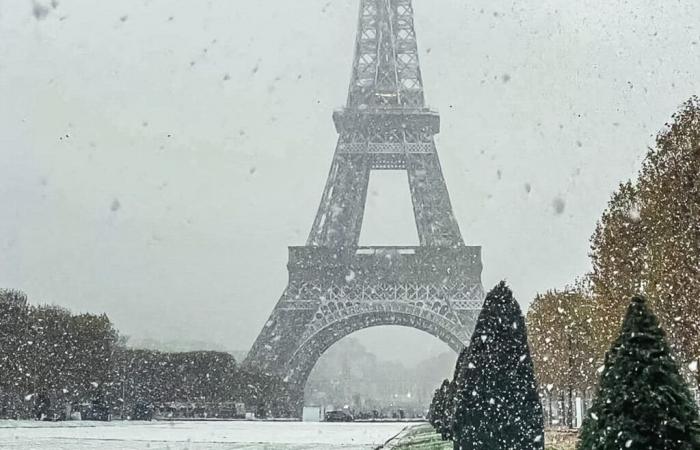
(448,411)
(438,409)
(497,405)
(642,402)
(431,409)
(434,410)
(457,380)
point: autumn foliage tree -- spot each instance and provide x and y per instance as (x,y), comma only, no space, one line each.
(648,239)
(617,256)
(561,332)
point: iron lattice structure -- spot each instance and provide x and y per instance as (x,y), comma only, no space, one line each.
(335,287)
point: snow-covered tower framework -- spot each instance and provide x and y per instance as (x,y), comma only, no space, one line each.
(336,287)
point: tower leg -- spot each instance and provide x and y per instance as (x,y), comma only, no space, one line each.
(296,400)
(339,218)
(435,221)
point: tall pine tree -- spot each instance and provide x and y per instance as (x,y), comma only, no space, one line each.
(642,402)
(497,405)
(439,410)
(457,381)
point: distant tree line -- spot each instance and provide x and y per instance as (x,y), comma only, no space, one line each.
(647,241)
(147,377)
(50,358)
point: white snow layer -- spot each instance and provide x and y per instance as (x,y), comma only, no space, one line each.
(27,435)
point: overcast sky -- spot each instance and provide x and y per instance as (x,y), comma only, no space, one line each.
(158,156)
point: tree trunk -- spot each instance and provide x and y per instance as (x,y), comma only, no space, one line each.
(572,412)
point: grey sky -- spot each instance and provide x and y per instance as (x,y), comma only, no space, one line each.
(158,156)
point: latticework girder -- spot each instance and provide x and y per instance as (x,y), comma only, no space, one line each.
(335,287)
(386,70)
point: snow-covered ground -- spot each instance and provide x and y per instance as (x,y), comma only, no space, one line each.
(193,435)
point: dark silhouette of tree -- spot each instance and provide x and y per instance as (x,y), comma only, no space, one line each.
(50,358)
(453,390)
(440,416)
(497,403)
(14,353)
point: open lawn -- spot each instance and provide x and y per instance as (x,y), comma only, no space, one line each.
(30,435)
(220,435)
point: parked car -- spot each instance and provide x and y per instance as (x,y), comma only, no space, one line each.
(338,416)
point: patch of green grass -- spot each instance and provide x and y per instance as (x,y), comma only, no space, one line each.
(423,437)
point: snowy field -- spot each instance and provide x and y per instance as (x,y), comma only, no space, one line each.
(194,435)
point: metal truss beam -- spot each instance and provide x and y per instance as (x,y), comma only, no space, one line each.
(335,287)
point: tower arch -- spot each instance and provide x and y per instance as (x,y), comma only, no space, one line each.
(310,351)
(337,287)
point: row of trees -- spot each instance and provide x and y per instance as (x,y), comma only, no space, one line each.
(566,349)
(147,377)
(45,350)
(50,358)
(642,401)
(492,401)
(648,240)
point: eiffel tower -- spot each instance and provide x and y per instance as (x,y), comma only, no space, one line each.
(337,287)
